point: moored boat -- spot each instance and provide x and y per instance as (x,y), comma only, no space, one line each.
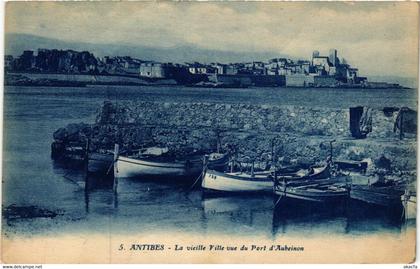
(315,184)
(317,191)
(381,193)
(386,196)
(353,166)
(409,200)
(237,181)
(163,166)
(157,167)
(100,163)
(318,172)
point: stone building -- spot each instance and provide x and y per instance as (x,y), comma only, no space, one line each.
(299,80)
(153,70)
(325,81)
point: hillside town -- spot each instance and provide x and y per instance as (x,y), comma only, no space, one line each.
(320,71)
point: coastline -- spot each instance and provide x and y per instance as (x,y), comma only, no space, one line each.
(35,79)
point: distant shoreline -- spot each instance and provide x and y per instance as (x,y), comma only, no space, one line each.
(50,79)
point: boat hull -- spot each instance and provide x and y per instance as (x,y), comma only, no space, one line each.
(312,194)
(318,173)
(410,206)
(100,163)
(382,196)
(137,168)
(217,181)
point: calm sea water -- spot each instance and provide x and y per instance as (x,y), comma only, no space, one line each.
(31,178)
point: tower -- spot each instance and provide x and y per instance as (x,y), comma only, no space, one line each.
(333,57)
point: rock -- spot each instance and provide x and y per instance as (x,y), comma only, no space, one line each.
(356,153)
(60,134)
(13,212)
(72,132)
(383,163)
(389,111)
(106,114)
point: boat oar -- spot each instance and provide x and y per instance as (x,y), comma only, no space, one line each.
(116,153)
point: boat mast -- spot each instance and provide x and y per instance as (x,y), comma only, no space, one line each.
(116,153)
(273,159)
(232,159)
(331,150)
(218,141)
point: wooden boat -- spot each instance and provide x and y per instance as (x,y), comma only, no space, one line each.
(260,181)
(142,167)
(316,191)
(409,200)
(348,165)
(305,174)
(314,184)
(387,196)
(148,166)
(237,181)
(74,153)
(217,161)
(100,163)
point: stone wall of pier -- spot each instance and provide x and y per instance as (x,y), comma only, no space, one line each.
(300,134)
(249,118)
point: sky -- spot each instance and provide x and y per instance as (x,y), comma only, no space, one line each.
(379,38)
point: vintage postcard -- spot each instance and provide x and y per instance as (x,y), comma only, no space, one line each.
(210,132)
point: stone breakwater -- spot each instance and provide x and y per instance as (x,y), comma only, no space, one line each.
(245,117)
(300,134)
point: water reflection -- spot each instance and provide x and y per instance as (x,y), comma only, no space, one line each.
(98,196)
(343,217)
(147,205)
(238,214)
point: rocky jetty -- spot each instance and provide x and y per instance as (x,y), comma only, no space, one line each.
(299,134)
